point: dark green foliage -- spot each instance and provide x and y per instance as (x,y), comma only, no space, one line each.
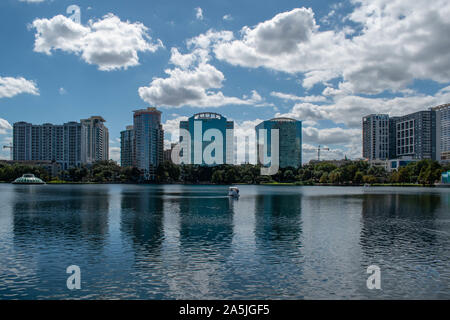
(425,172)
(9,173)
(100,172)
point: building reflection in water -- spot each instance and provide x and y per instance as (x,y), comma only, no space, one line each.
(205,224)
(180,236)
(406,234)
(276,265)
(76,215)
(193,242)
(142,219)
(331,225)
(52,232)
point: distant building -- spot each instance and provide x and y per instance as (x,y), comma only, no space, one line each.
(65,144)
(337,163)
(247,150)
(376,137)
(413,136)
(290,140)
(442,139)
(127,147)
(168,153)
(149,141)
(199,126)
(416,136)
(96,140)
(235,161)
(445,179)
(396,164)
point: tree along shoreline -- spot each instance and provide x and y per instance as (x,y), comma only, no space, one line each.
(350,173)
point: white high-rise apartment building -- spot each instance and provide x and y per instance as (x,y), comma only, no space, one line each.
(442,142)
(96,139)
(71,144)
(376,137)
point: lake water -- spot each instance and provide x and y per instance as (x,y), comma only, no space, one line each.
(193,242)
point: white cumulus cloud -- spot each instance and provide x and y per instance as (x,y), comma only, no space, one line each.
(398,41)
(10,87)
(194,81)
(114,154)
(109,43)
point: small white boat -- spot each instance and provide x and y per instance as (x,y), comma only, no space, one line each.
(233,192)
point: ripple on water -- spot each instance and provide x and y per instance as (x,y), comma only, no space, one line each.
(191,242)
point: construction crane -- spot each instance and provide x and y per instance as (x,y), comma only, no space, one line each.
(10,147)
(318,151)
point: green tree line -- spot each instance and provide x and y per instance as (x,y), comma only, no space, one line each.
(425,172)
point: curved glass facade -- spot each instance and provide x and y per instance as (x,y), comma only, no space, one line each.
(290,144)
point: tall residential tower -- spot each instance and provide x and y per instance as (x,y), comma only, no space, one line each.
(96,139)
(149,141)
(64,144)
(376,136)
(127,147)
(442,140)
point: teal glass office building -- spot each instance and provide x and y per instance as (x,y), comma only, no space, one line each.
(446,177)
(148,141)
(209,120)
(290,144)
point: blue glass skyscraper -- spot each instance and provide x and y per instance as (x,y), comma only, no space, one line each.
(290,141)
(216,125)
(149,141)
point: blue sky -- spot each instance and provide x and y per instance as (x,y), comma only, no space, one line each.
(326,63)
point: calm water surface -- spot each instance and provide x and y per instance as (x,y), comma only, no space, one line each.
(193,242)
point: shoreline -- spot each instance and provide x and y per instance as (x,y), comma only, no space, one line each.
(292,184)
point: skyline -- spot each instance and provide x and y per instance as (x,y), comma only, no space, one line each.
(322,72)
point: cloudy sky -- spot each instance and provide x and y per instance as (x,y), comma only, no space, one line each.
(323,62)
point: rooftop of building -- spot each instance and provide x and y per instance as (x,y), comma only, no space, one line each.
(99,118)
(441,107)
(148,110)
(383,115)
(207,115)
(283,119)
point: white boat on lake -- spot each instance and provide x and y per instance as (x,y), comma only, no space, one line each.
(233,192)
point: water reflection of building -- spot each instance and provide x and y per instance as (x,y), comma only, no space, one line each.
(394,218)
(277,219)
(401,233)
(142,219)
(73,214)
(278,258)
(205,221)
(180,237)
